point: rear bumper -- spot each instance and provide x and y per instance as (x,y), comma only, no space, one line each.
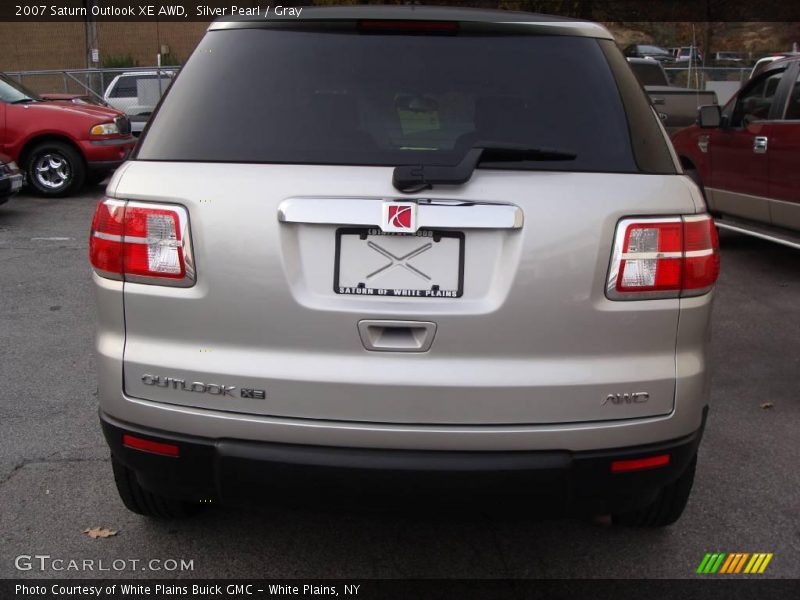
(138,123)
(10,185)
(235,471)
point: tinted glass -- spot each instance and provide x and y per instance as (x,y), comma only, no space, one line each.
(755,102)
(315,97)
(649,74)
(793,107)
(12,91)
(127,86)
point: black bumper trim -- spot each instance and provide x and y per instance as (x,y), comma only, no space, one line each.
(7,184)
(235,470)
(128,139)
(104,165)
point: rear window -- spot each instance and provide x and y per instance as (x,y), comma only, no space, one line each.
(127,85)
(652,50)
(323,97)
(649,74)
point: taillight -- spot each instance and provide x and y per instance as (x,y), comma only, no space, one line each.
(142,242)
(663,258)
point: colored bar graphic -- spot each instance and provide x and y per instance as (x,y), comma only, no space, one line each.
(722,563)
(765,563)
(727,564)
(718,563)
(703,563)
(741,562)
(752,563)
(710,563)
(758,563)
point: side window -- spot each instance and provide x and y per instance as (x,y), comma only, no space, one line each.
(755,102)
(793,108)
(125,88)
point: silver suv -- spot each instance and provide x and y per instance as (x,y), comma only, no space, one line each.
(405,239)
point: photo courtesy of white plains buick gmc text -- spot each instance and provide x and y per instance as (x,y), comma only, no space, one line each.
(409,246)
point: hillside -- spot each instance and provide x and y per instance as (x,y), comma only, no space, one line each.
(754,38)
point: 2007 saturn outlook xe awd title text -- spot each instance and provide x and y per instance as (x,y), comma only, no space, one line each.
(402,242)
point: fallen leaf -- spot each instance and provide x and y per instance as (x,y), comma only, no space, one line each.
(767,405)
(99,532)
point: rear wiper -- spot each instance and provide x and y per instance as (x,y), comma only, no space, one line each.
(410,179)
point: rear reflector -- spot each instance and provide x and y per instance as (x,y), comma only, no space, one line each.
(142,243)
(137,443)
(663,258)
(639,464)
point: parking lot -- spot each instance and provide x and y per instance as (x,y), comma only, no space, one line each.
(55,476)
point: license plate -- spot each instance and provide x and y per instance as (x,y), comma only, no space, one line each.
(427,264)
(16,184)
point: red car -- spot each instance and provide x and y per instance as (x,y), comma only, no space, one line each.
(747,155)
(60,145)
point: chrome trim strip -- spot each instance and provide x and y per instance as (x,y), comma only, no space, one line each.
(763,236)
(107,236)
(431,213)
(650,255)
(699,253)
(752,197)
(131,239)
(696,218)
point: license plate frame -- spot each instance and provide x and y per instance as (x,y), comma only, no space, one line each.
(373,232)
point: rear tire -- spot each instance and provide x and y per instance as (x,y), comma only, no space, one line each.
(666,508)
(96,177)
(55,169)
(144,502)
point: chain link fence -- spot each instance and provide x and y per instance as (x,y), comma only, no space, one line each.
(725,81)
(134,91)
(696,77)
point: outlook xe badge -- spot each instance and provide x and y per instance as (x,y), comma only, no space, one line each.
(399,217)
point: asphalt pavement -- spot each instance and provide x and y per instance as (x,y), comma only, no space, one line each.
(55,476)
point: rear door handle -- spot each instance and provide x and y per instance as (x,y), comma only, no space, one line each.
(760,144)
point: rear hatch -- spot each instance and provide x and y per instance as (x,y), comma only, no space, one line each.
(325,292)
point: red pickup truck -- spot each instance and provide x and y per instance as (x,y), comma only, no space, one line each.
(747,155)
(60,145)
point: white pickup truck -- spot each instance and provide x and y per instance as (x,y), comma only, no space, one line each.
(136,93)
